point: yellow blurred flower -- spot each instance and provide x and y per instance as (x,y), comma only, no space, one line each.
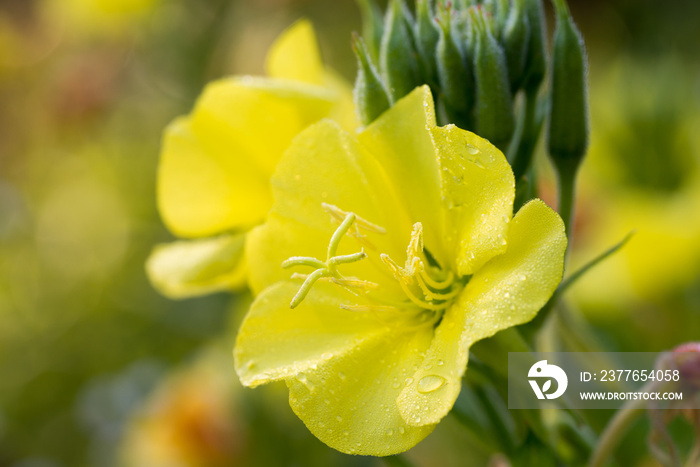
(374,351)
(97,17)
(643,176)
(216,163)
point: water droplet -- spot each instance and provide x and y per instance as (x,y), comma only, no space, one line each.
(506,218)
(428,366)
(326,356)
(390,432)
(472,150)
(346,433)
(522,277)
(402,430)
(339,418)
(408,381)
(417,419)
(341,375)
(506,295)
(430,383)
(440,363)
(396,384)
(251,365)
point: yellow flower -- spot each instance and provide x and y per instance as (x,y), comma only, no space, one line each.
(377,343)
(216,163)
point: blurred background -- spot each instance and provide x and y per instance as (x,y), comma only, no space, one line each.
(97,369)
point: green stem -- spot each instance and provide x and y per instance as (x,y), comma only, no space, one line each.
(530,132)
(614,432)
(567,197)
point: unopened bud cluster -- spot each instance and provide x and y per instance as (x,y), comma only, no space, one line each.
(476,56)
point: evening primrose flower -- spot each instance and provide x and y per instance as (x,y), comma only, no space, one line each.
(397,250)
(215,166)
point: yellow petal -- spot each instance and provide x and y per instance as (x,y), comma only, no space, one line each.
(295,55)
(215,165)
(197,267)
(344,369)
(477,191)
(276,342)
(402,142)
(326,165)
(509,290)
(344,110)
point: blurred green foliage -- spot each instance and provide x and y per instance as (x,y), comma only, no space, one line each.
(85,92)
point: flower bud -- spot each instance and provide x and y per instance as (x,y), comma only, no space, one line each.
(536,56)
(372,26)
(397,59)
(516,37)
(494,103)
(568,118)
(455,78)
(371,98)
(687,359)
(427,36)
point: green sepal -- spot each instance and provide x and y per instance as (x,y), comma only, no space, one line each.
(427,36)
(397,58)
(372,26)
(454,76)
(567,139)
(494,102)
(370,95)
(516,37)
(536,57)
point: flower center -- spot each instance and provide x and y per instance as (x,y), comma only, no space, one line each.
(429,290)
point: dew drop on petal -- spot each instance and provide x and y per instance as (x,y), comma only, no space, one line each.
(408,381)
(430,383)
(402,430)
(390,432)
(472,149)
(440,363)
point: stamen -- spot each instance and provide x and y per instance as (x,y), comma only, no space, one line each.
(355,283)
(438,284)
(337,213)
(414,272)
(422,303)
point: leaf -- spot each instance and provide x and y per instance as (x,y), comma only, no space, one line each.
(566,283)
